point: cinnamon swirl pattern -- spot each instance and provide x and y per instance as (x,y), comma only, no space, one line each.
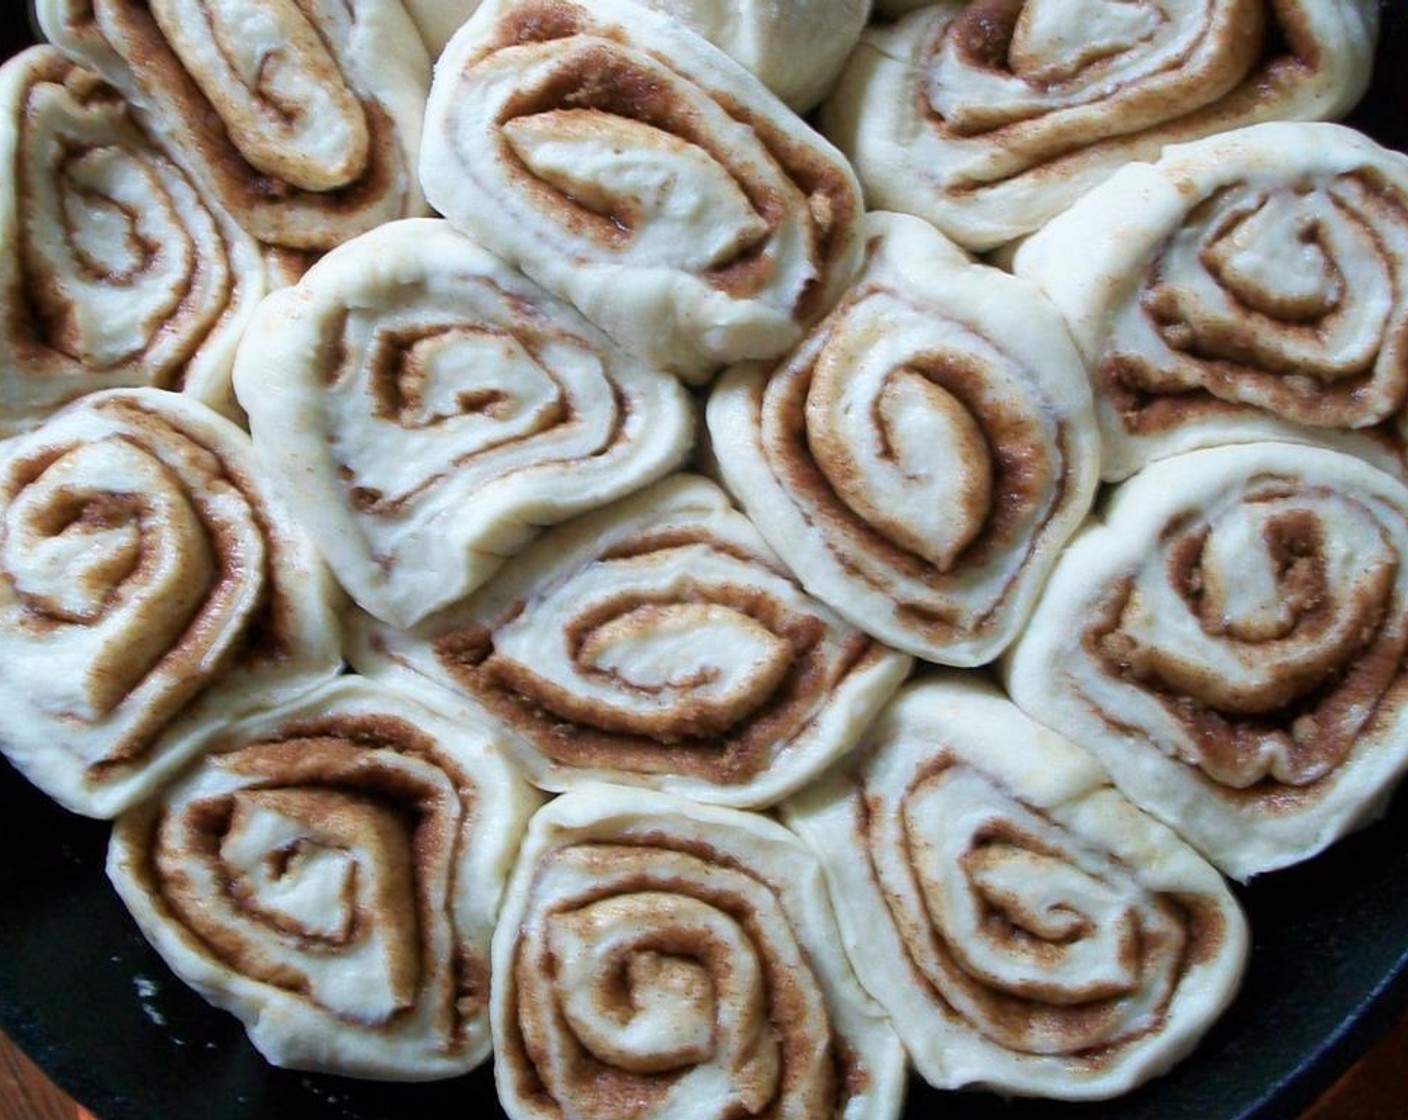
(658,958)
(114,271)
(636,171)
(1025,926)
(922,457)
(331,873)
(426,409)
(1230,642)
(657,642)
(149,588)
(1248,286)
(302,117)
(990,117)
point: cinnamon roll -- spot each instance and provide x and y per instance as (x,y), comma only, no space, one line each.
(331,873)
(920,459)
(302,117)
(438,20)
(425,410)
(1025,926)
(635,170)
(115,271)
(658,958)
(1230,641)
(1249,286)
(657,642)
(795,47)
(990,117)
(150,587)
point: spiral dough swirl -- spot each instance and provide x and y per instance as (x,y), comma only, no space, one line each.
(426,409)
(656,642)
(990,117)
(922,457)
(114,271)
(331,873)
(660,959)
(1231,643)
(1043,935)
(302,117)
(634,170)
(148,585)
(1247,286)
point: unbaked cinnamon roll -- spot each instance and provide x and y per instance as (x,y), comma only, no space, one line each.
(438,20)
(115,271)
(635,170)
(331,873)
(1025,926)
(657,642)
(1230,641)
(989,117)
(426,410)
(302,117)
(658,958)
(1249,286)
(796,47)
(920,459)
(150,586)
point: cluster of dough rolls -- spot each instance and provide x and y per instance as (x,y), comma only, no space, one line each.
(545,551)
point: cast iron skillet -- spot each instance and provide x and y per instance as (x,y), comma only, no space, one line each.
(84,994)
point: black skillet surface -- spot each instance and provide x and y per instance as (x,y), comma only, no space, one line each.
(84,994)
